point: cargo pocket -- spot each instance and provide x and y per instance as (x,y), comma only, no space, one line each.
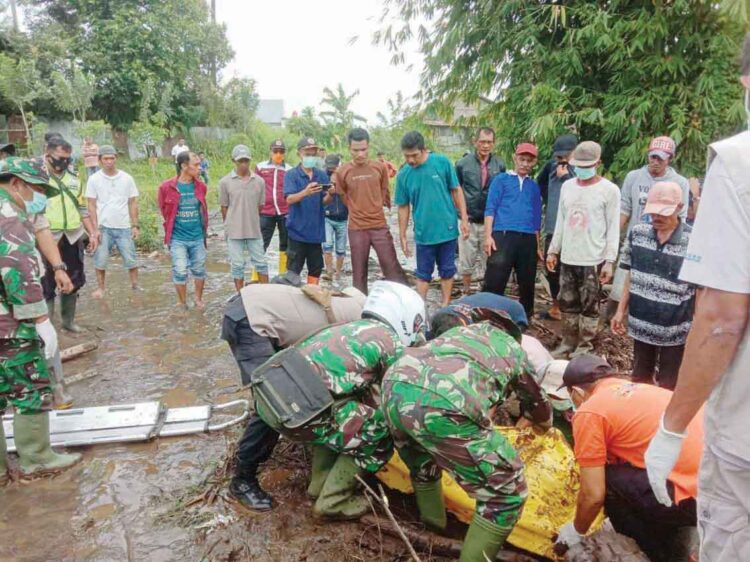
(724,530)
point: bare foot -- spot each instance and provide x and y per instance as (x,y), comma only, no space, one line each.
(200,305)
(137,288)
(99,293)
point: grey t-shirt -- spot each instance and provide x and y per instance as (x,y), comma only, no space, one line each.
(635,190)
(243,198)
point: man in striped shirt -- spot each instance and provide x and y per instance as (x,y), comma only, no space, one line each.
(661,306)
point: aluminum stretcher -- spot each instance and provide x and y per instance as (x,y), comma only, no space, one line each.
(129,423)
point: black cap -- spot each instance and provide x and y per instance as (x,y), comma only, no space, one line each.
(332,160)
(585,369)
(564,145)
(306,142)
(278,144)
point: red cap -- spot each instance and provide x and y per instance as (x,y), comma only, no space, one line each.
(527,148)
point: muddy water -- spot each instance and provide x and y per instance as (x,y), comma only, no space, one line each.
(108,507)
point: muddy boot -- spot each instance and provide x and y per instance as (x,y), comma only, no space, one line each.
(323,460)
(36,457)
(250,494)
(429,496)
(569,336)
(483,540)
(589,329)
(62,400)
(338,498)
(282,263)
(51,308)
(68,305)
(4,476)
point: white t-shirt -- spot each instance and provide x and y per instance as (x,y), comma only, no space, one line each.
(112,194)
(718,257)
(587,231)
(177,149)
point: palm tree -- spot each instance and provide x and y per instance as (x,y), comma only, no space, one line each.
(340,115)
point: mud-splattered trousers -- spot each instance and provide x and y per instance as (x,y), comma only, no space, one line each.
(438,402)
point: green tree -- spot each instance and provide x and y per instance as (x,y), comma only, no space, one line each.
(73,92)
(618,72)
(128,43)
(338,115)
(307,124)
(21,84)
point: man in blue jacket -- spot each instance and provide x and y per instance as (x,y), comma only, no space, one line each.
(303,189)
(512,221)
(337,219)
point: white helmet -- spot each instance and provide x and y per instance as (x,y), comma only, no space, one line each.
(550,377)
(398,306)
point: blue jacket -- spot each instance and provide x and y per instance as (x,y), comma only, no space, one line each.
(336,210)
(515,206)
(306,219)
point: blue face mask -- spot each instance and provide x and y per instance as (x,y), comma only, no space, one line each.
(585,173)
(37,204)
(309,162)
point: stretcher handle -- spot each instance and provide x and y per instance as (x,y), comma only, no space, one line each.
(245,413)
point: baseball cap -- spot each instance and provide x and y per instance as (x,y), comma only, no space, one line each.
(527,148)
(663,198)
(240,152)
(306,142)
(107,150)
(564,145)
(586,154)
(663,147)
(278,144)
(585,369)
(332,160)
(30,170)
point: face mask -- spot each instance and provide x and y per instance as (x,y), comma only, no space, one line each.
(277,158)
(585,173)
(59,163)
(37,203)
(309,162)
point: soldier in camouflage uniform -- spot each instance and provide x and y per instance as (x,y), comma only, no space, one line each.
(351,359)
(26,333)
(438,402)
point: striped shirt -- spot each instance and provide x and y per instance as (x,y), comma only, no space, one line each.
(661,306)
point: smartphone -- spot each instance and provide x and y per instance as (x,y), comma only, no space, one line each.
(326,186)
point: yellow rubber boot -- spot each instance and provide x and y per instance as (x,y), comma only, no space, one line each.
(254,277)
(282,263)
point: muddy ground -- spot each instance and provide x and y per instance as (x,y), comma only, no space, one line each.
(165,500)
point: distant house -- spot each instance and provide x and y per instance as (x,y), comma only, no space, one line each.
(271,112)
(452,134)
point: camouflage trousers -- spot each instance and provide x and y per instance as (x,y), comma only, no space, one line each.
(431,433)
(579,290)
(350,427)
(24,378)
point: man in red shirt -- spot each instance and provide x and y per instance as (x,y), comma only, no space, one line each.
(613,425)
(274,210)
(392,171)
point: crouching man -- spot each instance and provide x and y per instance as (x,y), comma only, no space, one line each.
(613,424)
(438,402)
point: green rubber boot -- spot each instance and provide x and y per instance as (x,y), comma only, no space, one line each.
(483,540)
(338,498)
(323,460)
(68,305)
(430,502)
(4,478)
(31,434)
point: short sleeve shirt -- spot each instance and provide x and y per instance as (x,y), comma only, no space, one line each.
(188,224)
(427,188)
(243,198)
(306,219)
(112,194)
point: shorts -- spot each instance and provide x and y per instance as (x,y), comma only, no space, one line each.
(120,237)
(335,236)
(301,253)
(186,255)
(443,254)
(471,257)
(254,247)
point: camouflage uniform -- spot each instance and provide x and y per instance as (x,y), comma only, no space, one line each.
(351,359)
(438,402)
(24,378)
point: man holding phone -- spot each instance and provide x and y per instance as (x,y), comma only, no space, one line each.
(304,193)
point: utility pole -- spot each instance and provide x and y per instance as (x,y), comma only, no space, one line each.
(14,12)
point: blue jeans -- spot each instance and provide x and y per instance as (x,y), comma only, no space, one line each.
(335,233)
(444,254)
(120,237)
(254,247)
(186,255)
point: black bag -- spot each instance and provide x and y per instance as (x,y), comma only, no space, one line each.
(290,390)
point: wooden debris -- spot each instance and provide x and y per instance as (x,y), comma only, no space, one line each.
(71,353)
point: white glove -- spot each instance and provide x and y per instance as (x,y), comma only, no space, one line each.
(568,535)
(48,335)
(660,457)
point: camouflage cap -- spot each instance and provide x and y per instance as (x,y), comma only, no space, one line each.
(30,170)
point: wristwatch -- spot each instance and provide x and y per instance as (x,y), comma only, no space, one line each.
(60,267)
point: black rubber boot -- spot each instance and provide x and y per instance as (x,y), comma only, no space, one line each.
(250,494)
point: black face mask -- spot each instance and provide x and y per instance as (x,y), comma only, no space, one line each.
(59,163)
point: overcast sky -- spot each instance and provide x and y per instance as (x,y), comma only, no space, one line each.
(294,48)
